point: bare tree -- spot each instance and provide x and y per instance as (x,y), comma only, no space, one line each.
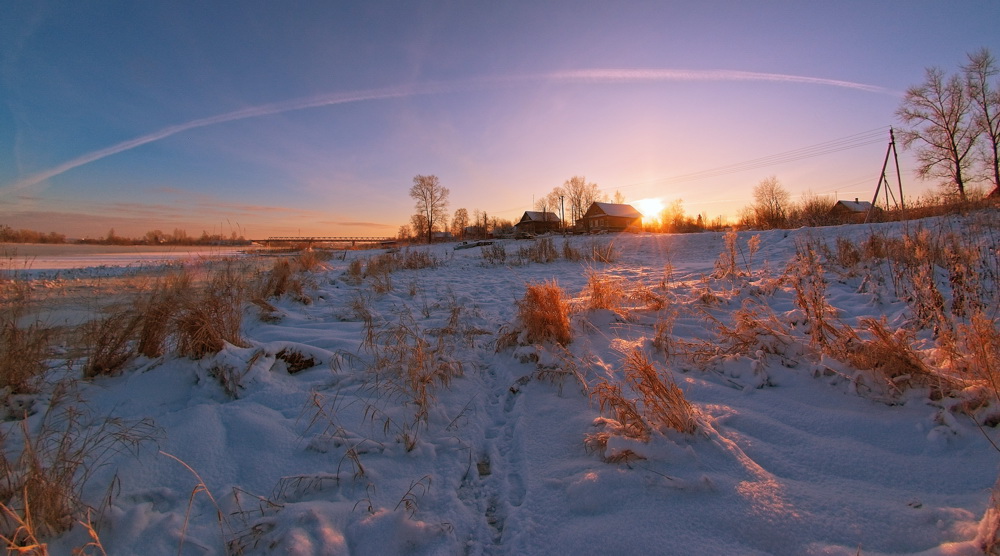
(985,99)
(770,203)
(431,201)
(418,222)
(459,222)
(618,198)
(579,196)
(938,117)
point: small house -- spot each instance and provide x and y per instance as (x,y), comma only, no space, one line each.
(610,217)
(535,222)
(850,211)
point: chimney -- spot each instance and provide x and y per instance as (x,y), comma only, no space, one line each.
(855,199)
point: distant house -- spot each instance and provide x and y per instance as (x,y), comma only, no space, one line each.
(850,211)
(534,222)
(610,217)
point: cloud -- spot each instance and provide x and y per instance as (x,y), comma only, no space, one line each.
(662,75)
(584,75)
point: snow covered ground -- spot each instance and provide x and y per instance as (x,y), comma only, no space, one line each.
(326,450)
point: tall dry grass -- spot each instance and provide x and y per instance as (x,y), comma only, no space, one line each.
(110,342)
(604,292)
(24,347)
(408,365)
(46,467)
(213,317)
(159,307)
(664,405)
(544,314)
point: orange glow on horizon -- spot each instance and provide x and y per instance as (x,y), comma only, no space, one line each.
(650,208)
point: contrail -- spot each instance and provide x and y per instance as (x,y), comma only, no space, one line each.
(638,75)
(599,76)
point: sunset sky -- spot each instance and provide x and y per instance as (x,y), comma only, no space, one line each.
(313,117)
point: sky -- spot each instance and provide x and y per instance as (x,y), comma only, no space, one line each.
(313,117)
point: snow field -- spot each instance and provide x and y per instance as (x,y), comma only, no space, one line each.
(410,433)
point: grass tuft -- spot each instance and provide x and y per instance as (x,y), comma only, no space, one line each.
(544,313)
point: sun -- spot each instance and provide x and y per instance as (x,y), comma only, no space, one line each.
(650,208)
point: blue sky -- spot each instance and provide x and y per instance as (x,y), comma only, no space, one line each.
(313,117)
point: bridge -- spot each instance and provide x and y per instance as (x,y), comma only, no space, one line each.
(309,240)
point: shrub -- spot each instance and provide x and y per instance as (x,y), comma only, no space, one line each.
(545,314)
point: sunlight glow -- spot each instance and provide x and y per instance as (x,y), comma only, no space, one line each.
(650,208)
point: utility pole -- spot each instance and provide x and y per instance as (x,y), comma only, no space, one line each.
(899,180)
(885,163)
(562,214)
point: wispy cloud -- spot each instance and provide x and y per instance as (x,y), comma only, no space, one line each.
(659,75)
(583,75)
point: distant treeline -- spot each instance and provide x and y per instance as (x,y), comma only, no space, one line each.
(152,237)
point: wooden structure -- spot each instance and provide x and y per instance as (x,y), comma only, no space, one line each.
(535,222)
(845,212)
(610,217)
(309,240)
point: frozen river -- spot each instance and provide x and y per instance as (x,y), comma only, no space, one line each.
(47,260)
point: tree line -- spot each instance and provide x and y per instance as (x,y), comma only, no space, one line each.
(950,121)
(152,237)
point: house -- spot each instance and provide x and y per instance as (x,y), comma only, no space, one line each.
(610,217)
(850,211)
(534,222)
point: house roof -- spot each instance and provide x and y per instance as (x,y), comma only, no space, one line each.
(537,216)
(612,209)
(854,206)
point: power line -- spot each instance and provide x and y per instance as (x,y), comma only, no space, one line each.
(861,139)
(853,141)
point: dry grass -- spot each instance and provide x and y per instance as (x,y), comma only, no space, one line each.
(806,275)
(662,406)
(604,292)
(544,313)
(602,252)
(570,253)
(408,366)
(110,342)
(24,349)
(754,328)
(494,255)
(24,353)
(42,482)
(212,318)
(540,251)
(980,341)
(663,402)
(891,356)
(725,266)
(158,309)
(355,271)
(989,528)
(629,421)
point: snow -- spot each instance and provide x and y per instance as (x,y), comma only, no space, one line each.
(790,457)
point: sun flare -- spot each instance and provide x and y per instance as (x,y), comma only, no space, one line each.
(650,208)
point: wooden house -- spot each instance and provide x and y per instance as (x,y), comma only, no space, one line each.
(850,211)
(534,222)
(610,217)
